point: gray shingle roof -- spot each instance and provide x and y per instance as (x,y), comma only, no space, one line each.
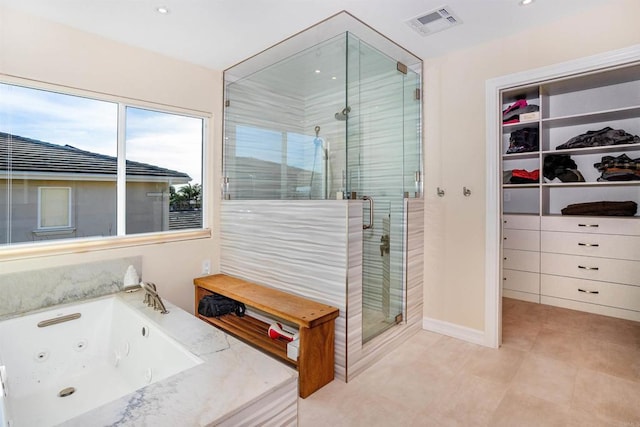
(32,155)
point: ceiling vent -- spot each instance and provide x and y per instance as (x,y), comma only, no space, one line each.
(437,20)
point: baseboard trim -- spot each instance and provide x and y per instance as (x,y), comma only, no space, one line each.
(452,330)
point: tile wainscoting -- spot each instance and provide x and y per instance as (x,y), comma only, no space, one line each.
(314,249)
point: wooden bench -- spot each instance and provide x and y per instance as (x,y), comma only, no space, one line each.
(315,321)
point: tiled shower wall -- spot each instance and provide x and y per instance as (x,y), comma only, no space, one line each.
(314,249)
(295,246)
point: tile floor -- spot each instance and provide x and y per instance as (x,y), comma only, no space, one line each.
(556,367)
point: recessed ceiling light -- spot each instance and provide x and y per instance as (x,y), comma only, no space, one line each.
(333,78)
(317,71)
(525,2)
(162,10)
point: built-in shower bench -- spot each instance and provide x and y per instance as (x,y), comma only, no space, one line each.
(315,322)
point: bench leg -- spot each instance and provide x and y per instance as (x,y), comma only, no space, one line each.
(316,358)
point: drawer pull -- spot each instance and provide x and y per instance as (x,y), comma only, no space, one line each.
(587,225)
(591,245)
(588,292)
(589,268)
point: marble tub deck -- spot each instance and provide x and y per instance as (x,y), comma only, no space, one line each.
(235,385)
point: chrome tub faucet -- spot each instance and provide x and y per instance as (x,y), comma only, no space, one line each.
(151,297)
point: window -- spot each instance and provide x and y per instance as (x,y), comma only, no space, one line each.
(274,164)
(54,207)
(77,166)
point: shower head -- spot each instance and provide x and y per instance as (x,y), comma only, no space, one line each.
(343,115)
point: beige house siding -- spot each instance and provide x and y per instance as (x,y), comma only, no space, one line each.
(93,210)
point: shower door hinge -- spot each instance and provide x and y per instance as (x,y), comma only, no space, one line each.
(418,94)
(227,103)
(225,188)
(418,176)
(401,67)
(398,318)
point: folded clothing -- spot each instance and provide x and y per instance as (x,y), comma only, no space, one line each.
(522,176)
(523,140)
(604,208)
(620,168)
(561,166)
(511,114)
(598,138)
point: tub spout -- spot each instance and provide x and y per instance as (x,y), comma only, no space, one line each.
(151,297)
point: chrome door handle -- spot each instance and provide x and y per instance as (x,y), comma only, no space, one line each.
(591,245)
(587,225)
(588,292)
(370,225)
(588,268)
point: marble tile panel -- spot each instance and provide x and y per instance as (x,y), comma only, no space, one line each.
(41,288)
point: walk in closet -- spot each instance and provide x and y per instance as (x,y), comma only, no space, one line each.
(570,187)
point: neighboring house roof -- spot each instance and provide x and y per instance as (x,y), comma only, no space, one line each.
(32,155)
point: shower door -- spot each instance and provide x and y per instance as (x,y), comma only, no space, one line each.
(383,158)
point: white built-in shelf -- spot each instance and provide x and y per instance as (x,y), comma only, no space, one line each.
(591,184)
(510,127)
(558,215)
(595,150)
(593,117)
(520,185)
(521,156)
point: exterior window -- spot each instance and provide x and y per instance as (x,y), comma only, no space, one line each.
(75,166)
(54,207)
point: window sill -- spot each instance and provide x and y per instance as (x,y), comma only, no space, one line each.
(47,248)
(60,231)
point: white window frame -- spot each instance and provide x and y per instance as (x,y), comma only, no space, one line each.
(41,206)
(121,240)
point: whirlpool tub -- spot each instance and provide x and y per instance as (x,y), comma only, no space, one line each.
(60,363)
(120,363)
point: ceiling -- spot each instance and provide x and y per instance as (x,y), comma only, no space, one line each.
(220,33)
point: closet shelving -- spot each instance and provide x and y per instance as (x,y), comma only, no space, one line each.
(571,106)
(571,261)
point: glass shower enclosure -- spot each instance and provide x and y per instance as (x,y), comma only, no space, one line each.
(333,113)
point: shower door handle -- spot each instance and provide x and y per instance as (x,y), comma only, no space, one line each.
(370,225)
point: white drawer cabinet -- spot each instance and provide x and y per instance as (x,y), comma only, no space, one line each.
(528,240)
(606,298)
(589,244)
(596,225)
(522,281)
(514,259)
(522,222)
(521,257)
(593,292)
(591,268)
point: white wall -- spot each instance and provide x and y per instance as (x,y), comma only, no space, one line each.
(44,51)
(454,146)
